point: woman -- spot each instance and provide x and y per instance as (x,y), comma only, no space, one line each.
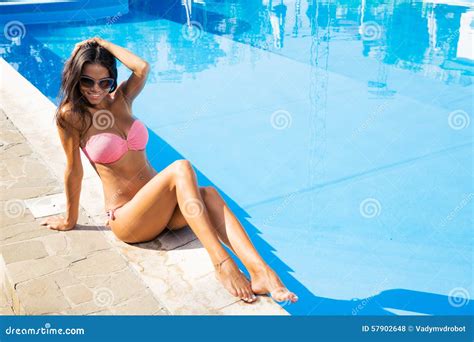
(96,115)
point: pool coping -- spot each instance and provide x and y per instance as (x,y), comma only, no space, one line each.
(187,285)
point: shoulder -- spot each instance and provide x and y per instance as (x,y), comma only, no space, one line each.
(70,117)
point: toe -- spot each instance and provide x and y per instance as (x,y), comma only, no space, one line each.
(290,296)
(240,294)
(252,296)
(247,296)
(280,294)
(234,292)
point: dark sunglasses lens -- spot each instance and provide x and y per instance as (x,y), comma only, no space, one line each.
(86,82)
(106,84)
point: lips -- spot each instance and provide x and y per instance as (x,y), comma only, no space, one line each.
(94,96)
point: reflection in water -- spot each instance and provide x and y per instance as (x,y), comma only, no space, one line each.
(465,49)
(36,63)
(318,87)
(433,39)
(277,21)
(423,37)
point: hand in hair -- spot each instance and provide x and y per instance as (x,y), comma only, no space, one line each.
(98,40)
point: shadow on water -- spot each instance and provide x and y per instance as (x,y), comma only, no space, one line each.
(43,68)
(309,303)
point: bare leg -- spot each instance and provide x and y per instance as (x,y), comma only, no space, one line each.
(148,212)
(195,212)
(231,232)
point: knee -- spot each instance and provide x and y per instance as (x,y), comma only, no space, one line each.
(183,168)
(209,192)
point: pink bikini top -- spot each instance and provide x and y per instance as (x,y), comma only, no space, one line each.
(107,147)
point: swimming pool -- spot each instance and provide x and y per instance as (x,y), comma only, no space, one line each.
(339,132)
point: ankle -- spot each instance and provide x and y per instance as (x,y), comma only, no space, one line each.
(259,268)
(218,265)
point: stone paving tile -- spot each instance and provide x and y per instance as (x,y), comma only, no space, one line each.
(5,304)
(139,306)
(94,264)
(41,296)
(23,251)
(78,293)
(31,269)
(63,278)
(89,308)
(14,212)
(24,231)
(265,307)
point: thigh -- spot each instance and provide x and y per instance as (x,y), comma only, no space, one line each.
(145,216)
(177,220)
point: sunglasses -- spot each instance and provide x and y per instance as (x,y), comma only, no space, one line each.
(104,83)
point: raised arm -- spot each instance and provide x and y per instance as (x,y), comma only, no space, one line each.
(139,67)
(70,139)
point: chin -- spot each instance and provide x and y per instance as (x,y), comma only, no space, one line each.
(94,100)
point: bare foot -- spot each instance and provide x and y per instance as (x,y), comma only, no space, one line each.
(234,280)
(265,281)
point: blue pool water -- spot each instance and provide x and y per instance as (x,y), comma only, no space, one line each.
(339,132)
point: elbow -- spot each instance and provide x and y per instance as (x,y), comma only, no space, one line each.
(74,172)
(144,69)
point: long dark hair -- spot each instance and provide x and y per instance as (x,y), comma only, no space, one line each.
(70,93)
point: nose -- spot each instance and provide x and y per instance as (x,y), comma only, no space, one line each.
(96,88)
